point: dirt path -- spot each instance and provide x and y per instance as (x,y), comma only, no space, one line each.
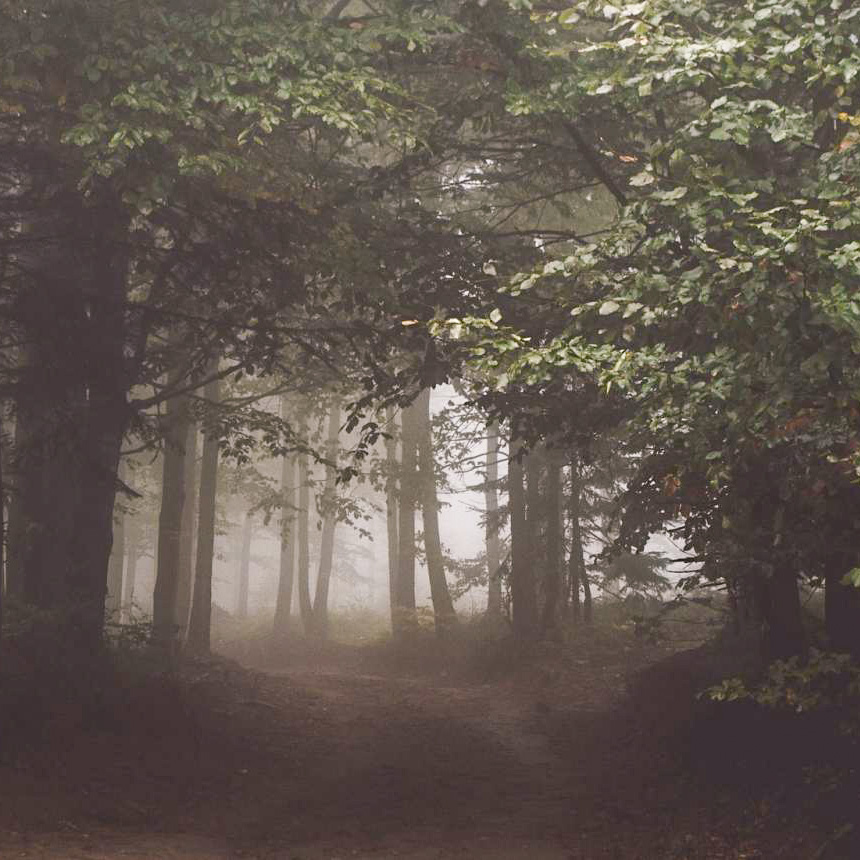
(339,761)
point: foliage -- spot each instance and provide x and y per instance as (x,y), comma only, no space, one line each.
(823,681)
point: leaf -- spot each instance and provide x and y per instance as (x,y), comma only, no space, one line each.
(495,315)
(608,307)
(646,177)
(490,269)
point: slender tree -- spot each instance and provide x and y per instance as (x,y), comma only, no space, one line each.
(287,567)
(200,620)
(405,619)
(443,606)
(523,596)
(491,527)
(164,620)
(242,582)
(189,532)
(303,538)
(391,511)
(329,523)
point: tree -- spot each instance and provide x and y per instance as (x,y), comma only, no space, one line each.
(443,606)
(199,623)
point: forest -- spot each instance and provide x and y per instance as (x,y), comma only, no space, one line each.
(430,429)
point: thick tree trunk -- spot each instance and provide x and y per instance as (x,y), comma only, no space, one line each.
(287,570)
(189,527)
(491,507)
(391,508)
(200,619)
(106,417)
(842,606)
(164,620)
(443,607)
(554,550)
(15,524)
(783,634)
(303,539)
(523,597)
(405,619)
(244,568)
(329,502)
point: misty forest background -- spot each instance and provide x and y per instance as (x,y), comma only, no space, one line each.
(515,339)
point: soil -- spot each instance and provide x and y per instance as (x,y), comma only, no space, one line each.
(340,752)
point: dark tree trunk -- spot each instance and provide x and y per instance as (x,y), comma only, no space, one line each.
(491,506)
(329,507)
(164,621)
(200,619)
(405,619)
(15,524)
(554,550)
(286,573)
(244,568)
(443,607)
(842,606)
(391,508)
(523,597)
(106,417)
(189,527)
(303,523)
(783,634)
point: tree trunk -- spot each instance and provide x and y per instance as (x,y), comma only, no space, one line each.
(443,607)
(15,531)
(576,558)
(842,606)
(783,634)
(286,575)
(106,416)
(329,507)
(405,618)
(554,549)
(491,506)
(113,599)
(244,568)
(189,527)
(200,619)
(128,583)
(391,508)
(164,620)
(523,597)
(303,523)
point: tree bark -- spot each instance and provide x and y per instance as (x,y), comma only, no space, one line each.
(783,634)
(443,607)
(405,618)
(128,583)
(244,568)
(113,599)
(391,509)
(576,558)
(200,620)
(189,527)
(329,502)
(523,597)
(286,574)
(164,620)
(842,606)
(554,550)
(303,540)
(491,528)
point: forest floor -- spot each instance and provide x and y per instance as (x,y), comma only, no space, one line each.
(590,751)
